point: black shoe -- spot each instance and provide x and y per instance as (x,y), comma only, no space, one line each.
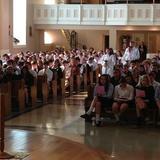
(140,121)
(85,116)
(98,123)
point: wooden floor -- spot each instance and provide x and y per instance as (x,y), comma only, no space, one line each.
(56,132)
(51,133)
(46,147)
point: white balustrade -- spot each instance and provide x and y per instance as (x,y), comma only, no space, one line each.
(98,14)
(69,14)
(116,14)
(93,14)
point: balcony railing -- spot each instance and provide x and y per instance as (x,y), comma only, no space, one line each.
(98,14)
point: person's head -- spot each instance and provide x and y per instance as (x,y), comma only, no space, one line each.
(28,65)
(152,76)
(119,53)
(57,63)
(123,82)
(144,81)
(116,73)
(131,44)
(154,67)
(146,63)
(40,63)
(110,51)
(125,68)
(24,69)
(141,69)
(129,79)
(45,64)
(104,79)
(90,60)
(133,64)
(10,62)
(65,63)
(73,61)
(9,70)
(77,59)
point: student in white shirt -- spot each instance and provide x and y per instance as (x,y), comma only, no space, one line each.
(131,53)
(46,71)
(108,63)
(123,96)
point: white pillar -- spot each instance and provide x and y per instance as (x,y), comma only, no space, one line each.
(112,38)
(5,27)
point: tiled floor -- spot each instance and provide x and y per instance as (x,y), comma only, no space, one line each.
(61,119)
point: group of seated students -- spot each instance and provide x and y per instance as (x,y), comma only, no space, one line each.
(135,84)
(119,83)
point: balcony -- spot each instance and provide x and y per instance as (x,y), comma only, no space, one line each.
(98,14)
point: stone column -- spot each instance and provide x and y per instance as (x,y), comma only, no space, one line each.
(5,27)
(113,38)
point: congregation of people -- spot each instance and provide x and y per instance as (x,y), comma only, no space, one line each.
(125,78)
(128,80)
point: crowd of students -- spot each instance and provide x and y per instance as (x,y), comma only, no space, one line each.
(124,79)
(130,82)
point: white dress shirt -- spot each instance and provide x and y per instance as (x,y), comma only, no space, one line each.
(48,72)
(127,93)
(130,55)
(108,63)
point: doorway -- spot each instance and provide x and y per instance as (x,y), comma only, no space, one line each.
(106,41)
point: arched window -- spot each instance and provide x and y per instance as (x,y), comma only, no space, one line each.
(19,21)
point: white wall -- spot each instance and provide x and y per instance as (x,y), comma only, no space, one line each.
(90,38)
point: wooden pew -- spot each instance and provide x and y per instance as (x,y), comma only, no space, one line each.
(5,88)
(34,93)
(71,85)
(54,85)
(63,87)
(15,96)
(91,76)
(97,75)
(45,90)
(39,88)
(42,89)
(58,85)
(21,95)
(85,79)
(78,83)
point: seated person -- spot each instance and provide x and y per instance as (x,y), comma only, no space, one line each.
(102,97)
(145,97)
(156,86)
(123,96)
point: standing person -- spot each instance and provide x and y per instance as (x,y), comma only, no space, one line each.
(143,51)
(131,53)
(109,61)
